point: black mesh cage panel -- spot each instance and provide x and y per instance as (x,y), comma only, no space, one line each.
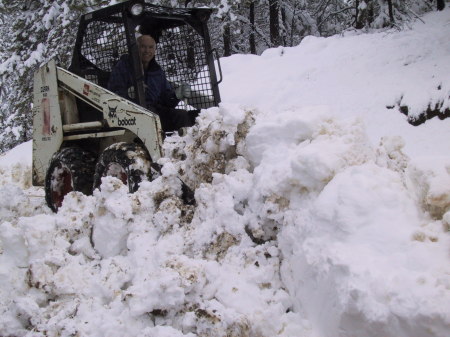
(181,53)
(103,44)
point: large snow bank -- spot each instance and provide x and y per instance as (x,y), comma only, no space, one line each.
(319,211)
(359,75)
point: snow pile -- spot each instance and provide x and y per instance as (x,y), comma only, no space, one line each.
(311,217)
(15,166)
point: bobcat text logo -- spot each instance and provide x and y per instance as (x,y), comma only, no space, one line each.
(127,121)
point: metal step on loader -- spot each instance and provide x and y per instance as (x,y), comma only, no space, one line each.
(82,131)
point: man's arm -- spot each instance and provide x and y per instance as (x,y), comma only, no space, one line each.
(119,80)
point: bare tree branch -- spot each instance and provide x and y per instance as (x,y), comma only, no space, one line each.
(334,13)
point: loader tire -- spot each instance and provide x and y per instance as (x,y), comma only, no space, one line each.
(128,162)
(71,169)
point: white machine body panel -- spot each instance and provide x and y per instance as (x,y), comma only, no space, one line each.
(55,114)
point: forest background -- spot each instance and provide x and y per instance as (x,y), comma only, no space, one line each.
(34,31)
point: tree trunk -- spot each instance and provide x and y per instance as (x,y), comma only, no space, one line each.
(284,26)
(274,22)
(252,28)
(226,40)
(391,12)
(440,4)
(358,22)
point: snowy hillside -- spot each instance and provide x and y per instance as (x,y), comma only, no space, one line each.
(321,212)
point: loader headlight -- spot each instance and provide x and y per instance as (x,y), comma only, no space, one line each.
(137,9)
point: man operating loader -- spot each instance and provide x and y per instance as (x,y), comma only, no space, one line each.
(159,94)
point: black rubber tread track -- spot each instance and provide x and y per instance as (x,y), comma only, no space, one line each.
(125,155)
(80,164)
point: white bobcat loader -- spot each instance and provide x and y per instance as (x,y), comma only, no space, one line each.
(83,132)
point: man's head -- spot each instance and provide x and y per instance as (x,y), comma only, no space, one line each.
(147,48)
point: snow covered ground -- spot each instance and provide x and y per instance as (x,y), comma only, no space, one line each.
(321,212)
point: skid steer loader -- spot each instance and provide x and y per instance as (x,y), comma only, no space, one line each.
(83,132)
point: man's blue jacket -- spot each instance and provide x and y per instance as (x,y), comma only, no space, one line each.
(158,91)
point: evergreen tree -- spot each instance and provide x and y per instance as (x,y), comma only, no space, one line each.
(37,31)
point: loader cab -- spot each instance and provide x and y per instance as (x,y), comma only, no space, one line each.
(184,51)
